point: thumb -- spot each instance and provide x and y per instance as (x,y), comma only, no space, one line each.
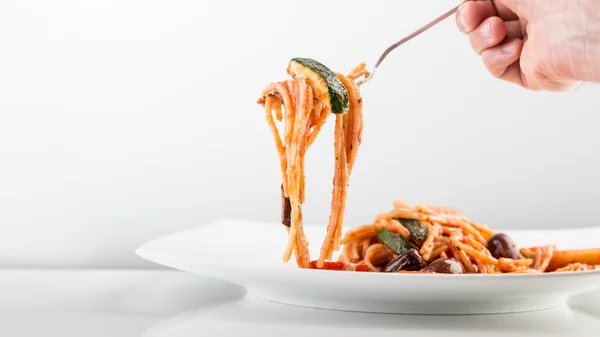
(523,8)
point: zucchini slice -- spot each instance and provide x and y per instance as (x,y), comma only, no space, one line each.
(326,85)
(417,231)
(394,241)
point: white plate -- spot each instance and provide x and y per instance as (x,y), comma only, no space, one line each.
(249,254)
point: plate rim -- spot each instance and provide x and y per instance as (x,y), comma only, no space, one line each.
(144,252)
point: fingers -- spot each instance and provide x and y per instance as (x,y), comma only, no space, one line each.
(506,62)
(492,31)
(472,13)
(496,31)
(488,34)
(502,61)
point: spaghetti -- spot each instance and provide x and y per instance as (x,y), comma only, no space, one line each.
(303,104)
(437,239)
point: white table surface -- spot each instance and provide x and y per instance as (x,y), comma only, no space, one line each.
(153,303)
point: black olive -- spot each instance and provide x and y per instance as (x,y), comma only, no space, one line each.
(410,260)
(445,266)
(286,209)
(501,245)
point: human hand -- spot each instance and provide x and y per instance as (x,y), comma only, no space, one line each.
(551,45)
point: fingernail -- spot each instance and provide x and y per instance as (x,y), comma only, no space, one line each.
(461,20)
(509,48)
(486,30)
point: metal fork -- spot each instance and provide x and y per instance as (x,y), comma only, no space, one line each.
(406,39)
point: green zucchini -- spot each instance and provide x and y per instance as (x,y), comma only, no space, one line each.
(417,231)
(394,241)
(326,85)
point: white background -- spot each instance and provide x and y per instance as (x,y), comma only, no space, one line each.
(121,121)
